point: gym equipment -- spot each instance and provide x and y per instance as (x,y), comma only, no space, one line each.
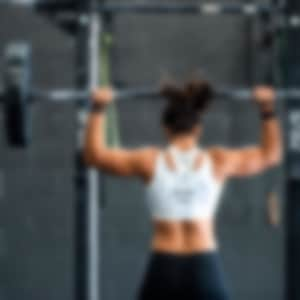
(291,66)
(53,5)
(235,94)
(88,182)
(156,7)
(68,13)
(18,94)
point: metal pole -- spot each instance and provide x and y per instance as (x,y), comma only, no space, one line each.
(93,180)
(291,65)
(87,183)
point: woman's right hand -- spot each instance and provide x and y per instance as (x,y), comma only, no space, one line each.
(104,95)
(265,97)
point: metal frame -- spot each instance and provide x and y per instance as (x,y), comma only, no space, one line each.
(192,8)
(156,7)
(291,66)
(87,181)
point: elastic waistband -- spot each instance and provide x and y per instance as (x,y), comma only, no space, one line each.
(200,254)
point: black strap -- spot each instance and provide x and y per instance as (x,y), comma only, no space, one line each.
(269,115)
(98,108)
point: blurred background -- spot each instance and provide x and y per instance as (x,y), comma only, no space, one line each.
(37,207)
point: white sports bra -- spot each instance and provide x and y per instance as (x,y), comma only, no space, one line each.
(187,192)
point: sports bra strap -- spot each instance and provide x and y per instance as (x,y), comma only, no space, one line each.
(183,159)
(168,160)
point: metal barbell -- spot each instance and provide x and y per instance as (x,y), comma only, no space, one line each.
(18,93)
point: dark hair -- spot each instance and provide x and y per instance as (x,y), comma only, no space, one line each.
(186,104)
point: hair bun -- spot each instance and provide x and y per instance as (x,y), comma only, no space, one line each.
(195,95)
(173,93)
(200,93)
(185,104)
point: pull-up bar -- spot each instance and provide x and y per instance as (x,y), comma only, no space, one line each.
(192,8)
(149,8)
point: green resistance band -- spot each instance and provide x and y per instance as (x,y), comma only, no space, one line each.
(112,122)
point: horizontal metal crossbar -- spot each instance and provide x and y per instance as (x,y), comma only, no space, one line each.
(239,94)
(192,8)
(152,8)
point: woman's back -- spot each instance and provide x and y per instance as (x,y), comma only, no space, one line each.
(183,196)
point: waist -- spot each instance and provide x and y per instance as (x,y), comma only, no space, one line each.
(210,254)
(185,266)
(184,237)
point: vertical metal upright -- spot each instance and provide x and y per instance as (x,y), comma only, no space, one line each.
(291,65)
(87,181)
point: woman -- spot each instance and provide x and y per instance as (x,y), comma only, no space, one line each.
(183,184)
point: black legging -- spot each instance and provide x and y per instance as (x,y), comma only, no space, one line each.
(184,277)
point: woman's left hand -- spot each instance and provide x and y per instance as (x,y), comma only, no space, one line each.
(103,95)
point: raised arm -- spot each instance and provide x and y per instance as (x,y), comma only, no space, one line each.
(253,160)
(122,162)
